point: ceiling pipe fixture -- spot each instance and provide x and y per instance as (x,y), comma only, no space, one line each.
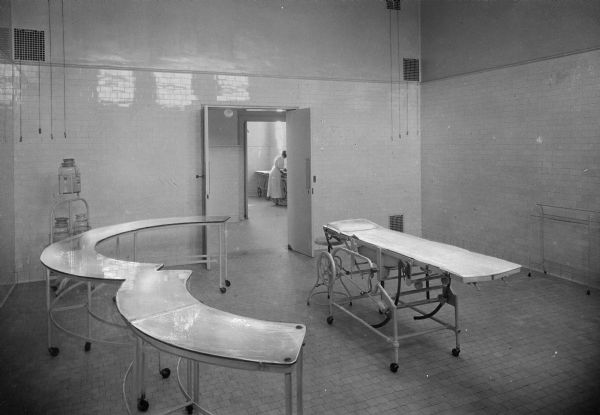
(394,5)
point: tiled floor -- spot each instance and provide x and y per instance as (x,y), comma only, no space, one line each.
(531,345)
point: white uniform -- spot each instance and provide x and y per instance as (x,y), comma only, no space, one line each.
(274,186)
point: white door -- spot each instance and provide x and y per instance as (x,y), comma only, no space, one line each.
(223,161)
(299,187)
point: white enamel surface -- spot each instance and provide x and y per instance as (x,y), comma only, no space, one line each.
(466,265)
(157,303)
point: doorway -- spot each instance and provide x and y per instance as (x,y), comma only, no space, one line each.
(240,144)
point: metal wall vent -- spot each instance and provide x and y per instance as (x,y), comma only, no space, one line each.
(397,223)
(29,45)
(393,4)
(5,50)
(411,69)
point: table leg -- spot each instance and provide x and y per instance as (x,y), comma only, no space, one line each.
(299,400)
(288,393)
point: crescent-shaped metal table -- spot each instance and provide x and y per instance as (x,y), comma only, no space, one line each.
(160,311)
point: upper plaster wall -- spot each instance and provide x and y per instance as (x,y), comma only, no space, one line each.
(471,35)
(290,38)
(129,101)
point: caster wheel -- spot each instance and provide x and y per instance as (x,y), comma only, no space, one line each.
(227,283)
(143,405)
(165,373)
(455,352)
(394,367)
(329,319)
(114,299)
(87,346)
(189,409)
(350,304)
(223,289)
(53,351)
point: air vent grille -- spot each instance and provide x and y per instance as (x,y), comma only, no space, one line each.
(393,4)
(397,223)
(5,51)
(29,45)
(411,69)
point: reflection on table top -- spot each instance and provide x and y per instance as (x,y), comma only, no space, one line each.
(158,304)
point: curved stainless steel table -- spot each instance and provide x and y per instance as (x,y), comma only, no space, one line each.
(159,309)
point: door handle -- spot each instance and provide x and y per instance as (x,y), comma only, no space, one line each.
(199,176)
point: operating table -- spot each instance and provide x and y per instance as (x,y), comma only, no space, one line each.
(365,255)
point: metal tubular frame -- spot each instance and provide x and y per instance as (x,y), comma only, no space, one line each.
(191,390)
(364,266)
(570,216)
(52,305)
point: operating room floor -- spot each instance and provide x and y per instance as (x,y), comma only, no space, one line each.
(530,345)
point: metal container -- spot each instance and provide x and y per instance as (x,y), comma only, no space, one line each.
(61,229)
(69,179)
(81,224)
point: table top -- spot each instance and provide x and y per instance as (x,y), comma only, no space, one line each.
(158,304)
(76,256)
(466,265)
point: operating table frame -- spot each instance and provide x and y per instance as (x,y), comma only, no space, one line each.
(418,283)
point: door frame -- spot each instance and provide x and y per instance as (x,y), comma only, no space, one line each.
(266,113)
(243,118)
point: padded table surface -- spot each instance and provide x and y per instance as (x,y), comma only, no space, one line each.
(466,265)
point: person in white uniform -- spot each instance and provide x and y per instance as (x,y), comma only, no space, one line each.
(274,185)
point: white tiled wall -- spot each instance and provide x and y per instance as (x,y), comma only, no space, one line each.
(496,143)
(7,206)
(139,149)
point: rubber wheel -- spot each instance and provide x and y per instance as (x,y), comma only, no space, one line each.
(223,289)
(143,405)
(394,367)
(329,319)
(53,351)
(227,283)
(455,352)
(189,409)
(165,373)
(87,346)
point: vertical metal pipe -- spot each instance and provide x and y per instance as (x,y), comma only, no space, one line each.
(221,282)
(196,376)
(48,305)
(288,393)
(139,369)
(299,400)
(89,310)
(225,247)
(134,245)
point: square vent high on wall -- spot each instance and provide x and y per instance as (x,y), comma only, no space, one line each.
(393,4)
(397,223)
(29,45)
(411,69)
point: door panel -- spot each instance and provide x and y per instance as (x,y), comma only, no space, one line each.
(299,185)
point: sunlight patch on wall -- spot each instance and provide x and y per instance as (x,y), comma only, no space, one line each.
(174,89)
(232,88)
(6,84)
(115,87)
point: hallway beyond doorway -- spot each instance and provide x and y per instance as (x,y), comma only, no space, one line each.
(264,230)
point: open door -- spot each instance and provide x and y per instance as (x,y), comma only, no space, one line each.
(299,186)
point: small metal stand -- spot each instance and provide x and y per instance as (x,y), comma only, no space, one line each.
(583,219)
